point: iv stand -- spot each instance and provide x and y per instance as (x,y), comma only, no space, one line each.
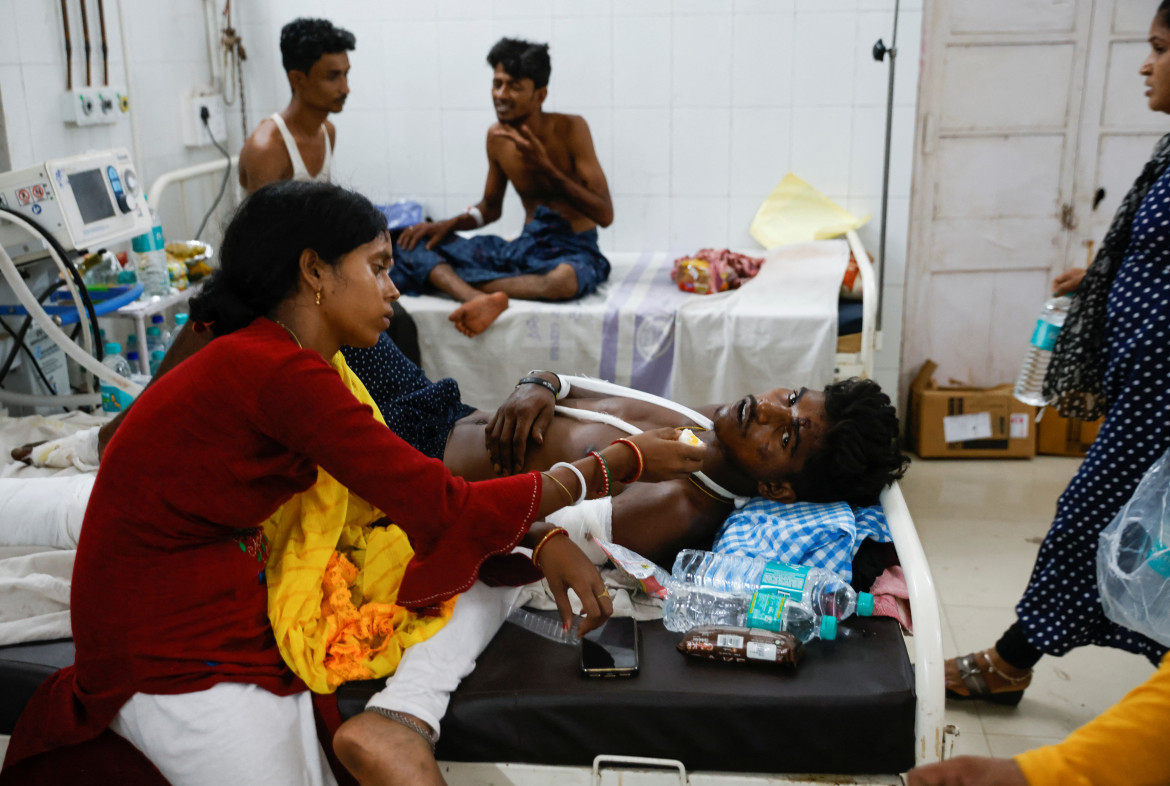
(880,50)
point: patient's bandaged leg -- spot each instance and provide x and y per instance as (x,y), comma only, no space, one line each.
(432,669)
(229,733)
(43,511)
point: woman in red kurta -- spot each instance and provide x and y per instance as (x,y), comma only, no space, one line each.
(169,592)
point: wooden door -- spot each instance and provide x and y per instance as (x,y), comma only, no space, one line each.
(995,179)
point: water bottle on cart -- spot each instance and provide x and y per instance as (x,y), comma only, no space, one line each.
(822,591)
(689,606)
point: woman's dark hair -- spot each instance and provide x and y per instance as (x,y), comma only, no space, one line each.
(259,258)
(304,41)
(860,454)
(1163,13)
(522,60)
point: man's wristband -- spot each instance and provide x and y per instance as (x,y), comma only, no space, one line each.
(475,214)
(538,381)
(560,392)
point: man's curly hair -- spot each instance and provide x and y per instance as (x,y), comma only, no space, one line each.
(860,453)
(304,41)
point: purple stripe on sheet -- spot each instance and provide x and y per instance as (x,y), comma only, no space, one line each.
(611,325)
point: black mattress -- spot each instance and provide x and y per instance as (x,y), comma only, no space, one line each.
(848,709)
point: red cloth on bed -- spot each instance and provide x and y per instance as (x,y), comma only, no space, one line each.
(168,591)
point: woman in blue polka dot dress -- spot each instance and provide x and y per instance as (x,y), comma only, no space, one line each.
(1112,356)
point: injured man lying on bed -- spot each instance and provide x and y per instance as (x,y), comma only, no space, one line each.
(784,445)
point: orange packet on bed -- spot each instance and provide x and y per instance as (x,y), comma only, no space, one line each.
(700,276)
(650,577)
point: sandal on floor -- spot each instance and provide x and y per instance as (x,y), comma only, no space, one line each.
(973,676)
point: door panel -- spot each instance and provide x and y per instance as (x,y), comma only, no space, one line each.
(1006,244)
(1006,86)
(1120,158)
(1132,17)
(1125,90)
(1012,16)
(1006,176)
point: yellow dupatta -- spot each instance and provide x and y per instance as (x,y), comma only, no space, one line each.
(333,579)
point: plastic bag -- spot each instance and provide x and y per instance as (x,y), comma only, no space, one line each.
(1133,560)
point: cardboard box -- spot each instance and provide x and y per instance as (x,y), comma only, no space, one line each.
(966,422)
(1061,436)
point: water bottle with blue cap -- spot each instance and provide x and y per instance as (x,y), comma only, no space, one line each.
(822,591)
(690,605)
(114,399)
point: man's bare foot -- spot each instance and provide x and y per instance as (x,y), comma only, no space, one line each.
(377,750)
(476,316)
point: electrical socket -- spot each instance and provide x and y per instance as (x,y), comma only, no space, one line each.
(194,132)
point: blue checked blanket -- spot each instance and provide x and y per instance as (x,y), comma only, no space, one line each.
(817,534)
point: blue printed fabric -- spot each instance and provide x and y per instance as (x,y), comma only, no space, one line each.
(418,410)
(817,534)
(548,240)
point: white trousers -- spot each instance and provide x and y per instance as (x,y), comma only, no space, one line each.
(232,733)
(431,670)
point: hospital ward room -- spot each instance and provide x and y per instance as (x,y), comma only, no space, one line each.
(585,392)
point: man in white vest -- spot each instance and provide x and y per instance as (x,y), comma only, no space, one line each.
(297,144)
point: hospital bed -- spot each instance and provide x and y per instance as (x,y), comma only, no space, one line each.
(857,708)
(638,329)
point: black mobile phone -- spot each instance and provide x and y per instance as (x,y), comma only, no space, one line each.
(611,650)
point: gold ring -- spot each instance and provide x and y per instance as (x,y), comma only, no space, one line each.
(601,595)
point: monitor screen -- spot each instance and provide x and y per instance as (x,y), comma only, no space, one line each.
(89,189)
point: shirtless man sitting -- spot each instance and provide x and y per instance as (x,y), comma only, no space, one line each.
(297,144)
(549,158)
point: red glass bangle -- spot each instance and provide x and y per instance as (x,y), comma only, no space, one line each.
(637,455)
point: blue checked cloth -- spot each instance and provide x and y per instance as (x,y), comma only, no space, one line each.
(817,534)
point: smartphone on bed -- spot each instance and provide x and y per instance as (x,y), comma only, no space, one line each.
(611,650)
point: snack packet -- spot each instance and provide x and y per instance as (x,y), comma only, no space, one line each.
(651,578)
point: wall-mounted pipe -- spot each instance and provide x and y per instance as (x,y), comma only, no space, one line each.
(105,46)
(68,46)
(85,32)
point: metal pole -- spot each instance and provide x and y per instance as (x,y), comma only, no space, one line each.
(879,53)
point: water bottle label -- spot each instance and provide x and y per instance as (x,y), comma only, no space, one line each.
(1158,558)
(157,242)
(1044,336)
(787,579)
(767,610)
(115,399)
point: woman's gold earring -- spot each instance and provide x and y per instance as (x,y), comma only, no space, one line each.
(318,297)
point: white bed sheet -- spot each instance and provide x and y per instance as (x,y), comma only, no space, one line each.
(639,330)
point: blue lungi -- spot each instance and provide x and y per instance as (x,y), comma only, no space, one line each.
(548,240)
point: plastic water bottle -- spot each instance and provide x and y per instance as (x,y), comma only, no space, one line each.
(154,338)
(133,359)
(1030,383)
(152,260)
(180,321)
(822,591)
(156,358)
(688,606)
(114,399)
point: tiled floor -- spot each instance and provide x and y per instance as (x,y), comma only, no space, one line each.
(981,523)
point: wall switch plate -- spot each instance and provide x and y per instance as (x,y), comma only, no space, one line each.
(194,132)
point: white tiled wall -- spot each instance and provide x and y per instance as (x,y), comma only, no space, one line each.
(697,107)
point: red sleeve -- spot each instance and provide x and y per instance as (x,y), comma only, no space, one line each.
(453,525)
